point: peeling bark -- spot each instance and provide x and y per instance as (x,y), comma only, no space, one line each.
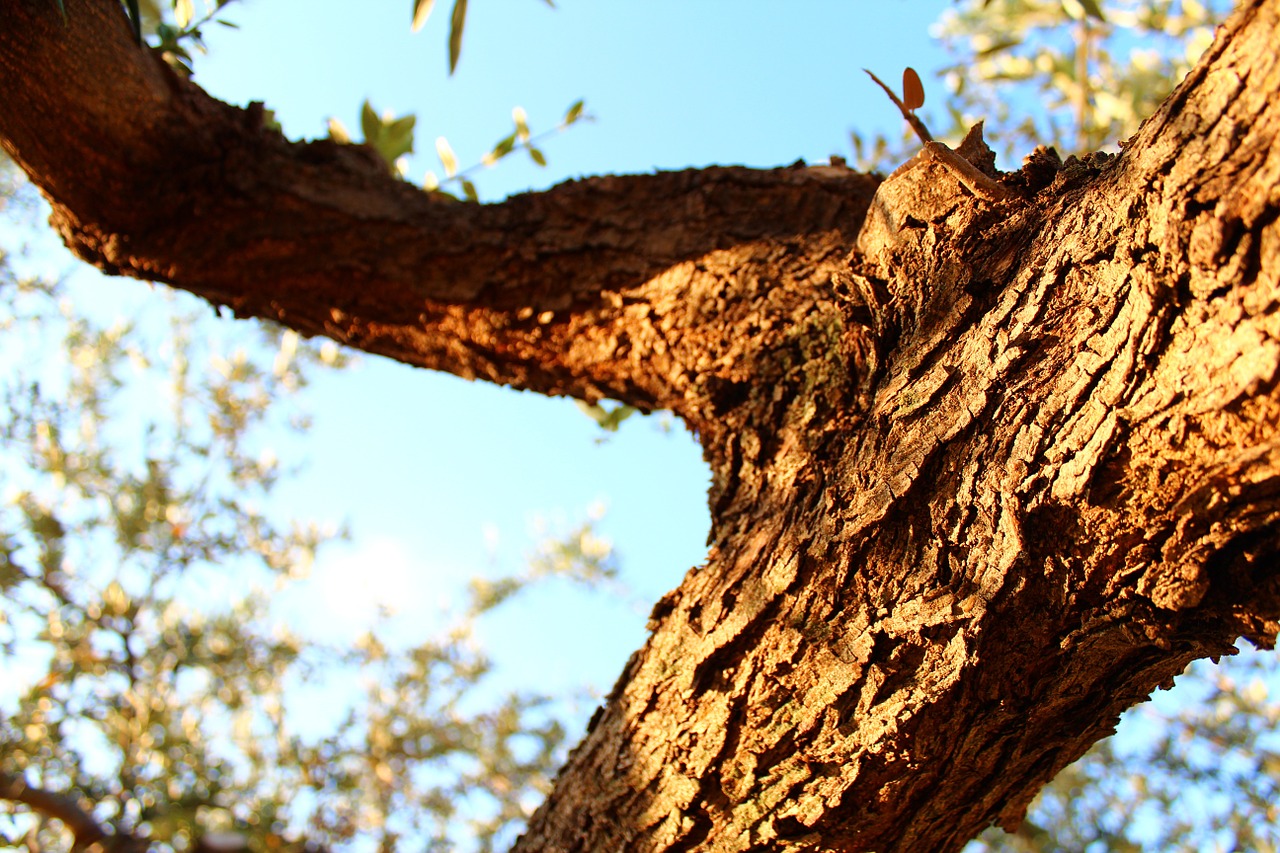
(986,470)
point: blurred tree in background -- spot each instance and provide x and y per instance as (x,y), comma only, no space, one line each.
(1078,75)
(150,692)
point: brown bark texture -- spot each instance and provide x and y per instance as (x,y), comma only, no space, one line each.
(988,466)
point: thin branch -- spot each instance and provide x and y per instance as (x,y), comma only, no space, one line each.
(463,175)
(62,807)
(965,172)
(912,119)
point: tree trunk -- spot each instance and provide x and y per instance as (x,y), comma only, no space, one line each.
(979,484)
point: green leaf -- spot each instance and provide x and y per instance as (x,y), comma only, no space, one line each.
(537,156)
(394,146)
(504,147)
(421,9)
(398,135)
(370,123)
(448,159)
(456,22)
(575,112)
(135,18)
(1093,10)
(607,419)
(179,59)
(402,125)
(269,120)
(391,138)
(521,118)
(469,190)
(338,132)
(1078,10)
(501,149)
(999,46)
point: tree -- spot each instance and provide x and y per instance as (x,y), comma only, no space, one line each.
(991,461)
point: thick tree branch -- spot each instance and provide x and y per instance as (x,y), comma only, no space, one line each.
(595,288)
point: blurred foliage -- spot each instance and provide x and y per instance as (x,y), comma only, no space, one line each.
(1078,75)
(457,22)
(176,29)
(1198,769)
(151,694)
(520,139)
(393,138)
(173,28)
(608,418)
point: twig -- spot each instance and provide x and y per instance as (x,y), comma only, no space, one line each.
(912,119)
(521,145)
(191,29)
(60,806)
(965,172)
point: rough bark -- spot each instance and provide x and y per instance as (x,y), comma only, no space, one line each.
(980,484)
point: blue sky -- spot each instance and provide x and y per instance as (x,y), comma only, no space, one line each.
(674,84)
(441,478)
